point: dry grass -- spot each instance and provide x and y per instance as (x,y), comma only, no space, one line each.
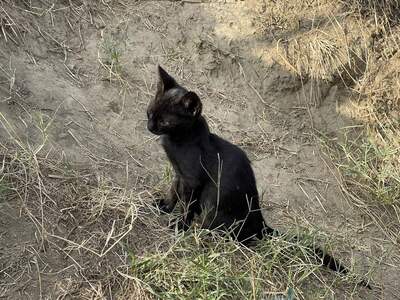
(338,43)
(360,52)
(369,160)
(331,47)
(106,231)
(369,177)
(85,217)
(200,266)
(355,47)
(387,9)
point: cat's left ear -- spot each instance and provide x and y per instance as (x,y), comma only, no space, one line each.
(165,81)
(192,103)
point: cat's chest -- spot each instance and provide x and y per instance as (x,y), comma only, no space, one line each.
(185,158)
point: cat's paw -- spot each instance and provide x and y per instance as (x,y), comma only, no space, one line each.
(163,206)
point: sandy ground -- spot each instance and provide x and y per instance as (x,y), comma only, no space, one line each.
(220,51)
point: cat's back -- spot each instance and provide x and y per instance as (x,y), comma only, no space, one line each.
(237,176)
(229,153)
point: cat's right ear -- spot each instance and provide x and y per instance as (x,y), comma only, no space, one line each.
(192,103)
(165,81)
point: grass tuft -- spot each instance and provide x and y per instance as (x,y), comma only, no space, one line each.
(203,266)
(111,55)
(372,169)
(369,169)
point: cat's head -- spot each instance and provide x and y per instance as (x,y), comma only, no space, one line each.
(174,108)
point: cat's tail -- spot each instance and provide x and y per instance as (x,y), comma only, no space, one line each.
(327,260)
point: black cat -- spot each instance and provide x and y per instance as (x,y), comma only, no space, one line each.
(213,177)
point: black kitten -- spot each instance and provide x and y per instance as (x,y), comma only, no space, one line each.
(213,177)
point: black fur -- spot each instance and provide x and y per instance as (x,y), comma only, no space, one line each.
(213,177)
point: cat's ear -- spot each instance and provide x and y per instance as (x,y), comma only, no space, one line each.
(165,81)
(192,103)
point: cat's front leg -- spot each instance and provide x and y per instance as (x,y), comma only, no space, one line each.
(190,206)
(167,204)
(186,220)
